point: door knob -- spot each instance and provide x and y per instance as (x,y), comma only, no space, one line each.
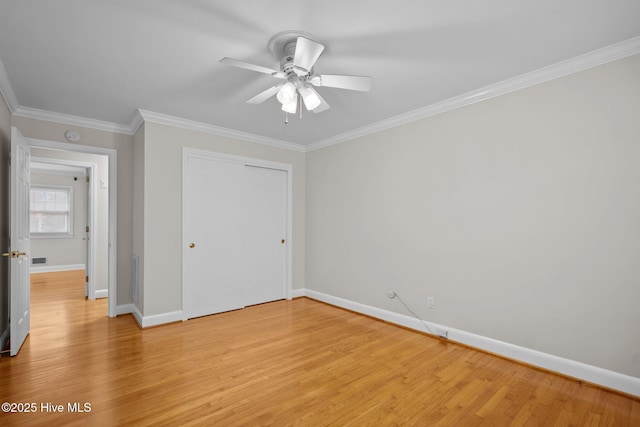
(192,245)
(7,254)
(282,241)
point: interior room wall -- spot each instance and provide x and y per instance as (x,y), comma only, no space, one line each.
(67,250)
(163,207)
(123,144)
(5,147)
(519,215)
(138,210)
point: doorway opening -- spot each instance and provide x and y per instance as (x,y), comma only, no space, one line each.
(94,236)
(69,217)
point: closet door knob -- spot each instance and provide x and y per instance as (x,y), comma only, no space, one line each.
(192,245)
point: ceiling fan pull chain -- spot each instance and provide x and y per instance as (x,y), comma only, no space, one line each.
(286,118)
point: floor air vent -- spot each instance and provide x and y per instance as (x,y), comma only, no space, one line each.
(39,261)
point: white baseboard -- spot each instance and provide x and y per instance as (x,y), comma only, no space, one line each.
(147,321)
(129,309)
(571,368)
(160,319)
(102,293)
(54,268)
(297,293)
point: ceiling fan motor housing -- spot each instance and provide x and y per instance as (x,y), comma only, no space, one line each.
(286,66)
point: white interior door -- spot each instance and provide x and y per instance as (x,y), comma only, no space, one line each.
(214,236)
(20,282)
(266,236)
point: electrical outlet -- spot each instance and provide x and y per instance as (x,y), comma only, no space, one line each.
(430,303)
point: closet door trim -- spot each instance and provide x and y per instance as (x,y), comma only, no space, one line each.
(188,153)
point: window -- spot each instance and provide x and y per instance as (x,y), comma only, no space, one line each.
(51,211)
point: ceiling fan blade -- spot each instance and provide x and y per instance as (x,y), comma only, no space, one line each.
(264,95)
(306,54)
(360,83)
(323,104)
(253,67)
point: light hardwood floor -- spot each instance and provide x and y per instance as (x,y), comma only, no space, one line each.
(297,362)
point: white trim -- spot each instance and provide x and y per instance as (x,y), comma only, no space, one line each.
(571,368)
(148,321)
(55,268)
(101,293)
(68,119)
(178,122)
(6,90)
(42,167)
(136,121)
(125,309)
(248,161)
(129,309)
(297,293)
(112,154)
(573,65)
(161,319)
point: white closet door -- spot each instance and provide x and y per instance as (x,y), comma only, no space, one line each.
(214,236)
(266,231)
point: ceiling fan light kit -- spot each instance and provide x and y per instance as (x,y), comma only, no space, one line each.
(298,52)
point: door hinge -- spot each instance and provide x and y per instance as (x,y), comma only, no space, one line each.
(86,279)
(87,228)
(87,178)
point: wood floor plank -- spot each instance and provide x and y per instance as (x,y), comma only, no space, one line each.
(297,362)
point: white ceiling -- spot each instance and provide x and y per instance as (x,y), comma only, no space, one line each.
(105,59)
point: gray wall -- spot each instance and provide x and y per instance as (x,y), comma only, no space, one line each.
(520,215)
(68,250)
(138,210)
(5,147)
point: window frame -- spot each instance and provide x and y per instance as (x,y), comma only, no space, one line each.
(53,235)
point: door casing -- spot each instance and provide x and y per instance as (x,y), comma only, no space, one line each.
(112,185)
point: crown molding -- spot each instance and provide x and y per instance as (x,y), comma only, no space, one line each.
(579,63)
(570,66)
(136,121)
(6,90)
(149,116)
(50,116)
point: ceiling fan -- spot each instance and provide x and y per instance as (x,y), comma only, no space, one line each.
(298,52)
